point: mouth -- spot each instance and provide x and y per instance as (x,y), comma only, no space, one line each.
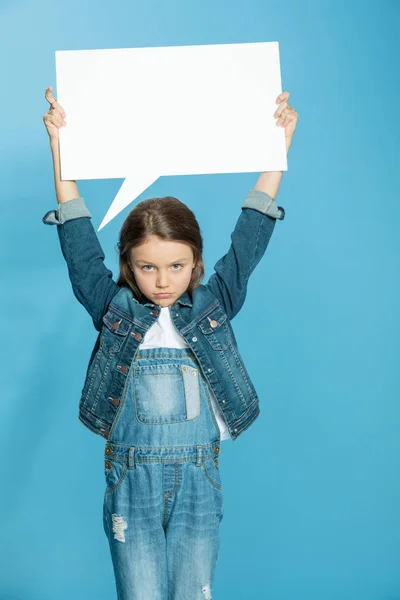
(163,295)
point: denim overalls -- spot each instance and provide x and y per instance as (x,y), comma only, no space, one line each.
(163,501)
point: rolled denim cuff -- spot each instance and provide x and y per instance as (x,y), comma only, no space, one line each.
(264,203)
(72,209)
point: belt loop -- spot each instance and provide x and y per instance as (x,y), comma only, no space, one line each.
(131,458)
(199,456)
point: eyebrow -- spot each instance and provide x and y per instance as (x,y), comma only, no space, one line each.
(146,262)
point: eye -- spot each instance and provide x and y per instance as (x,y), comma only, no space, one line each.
(175,265)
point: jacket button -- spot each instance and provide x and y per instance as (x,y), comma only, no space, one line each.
(154,312)
(216,462)
(216,450)
(108,464)
(117,324)
(214,324)
(108,450)
(124,368)
(138,336)
(194,339)
(115,401)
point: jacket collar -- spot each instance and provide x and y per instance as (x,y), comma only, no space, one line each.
(185,299)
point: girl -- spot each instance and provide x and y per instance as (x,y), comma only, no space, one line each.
(165,382)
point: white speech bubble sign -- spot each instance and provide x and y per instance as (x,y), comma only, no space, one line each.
(141,113)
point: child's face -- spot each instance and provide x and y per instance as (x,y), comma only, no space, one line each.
(162,266)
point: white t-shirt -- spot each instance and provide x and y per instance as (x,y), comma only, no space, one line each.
(163,333)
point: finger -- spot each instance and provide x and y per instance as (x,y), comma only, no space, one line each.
(288,117)
(49,95)
(52,101)
(283,116)
(55,120)
(288,112)
(282,97)
(56,106)
(58,120)
(280,109)
(60,114)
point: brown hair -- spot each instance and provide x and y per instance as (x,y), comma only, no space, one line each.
(167,218)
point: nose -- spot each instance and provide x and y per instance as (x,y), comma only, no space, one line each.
(162,280)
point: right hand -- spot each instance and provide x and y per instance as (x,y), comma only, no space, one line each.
(54,118)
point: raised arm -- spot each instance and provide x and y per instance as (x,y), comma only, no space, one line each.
(249,240)
(91,281)
(254,227)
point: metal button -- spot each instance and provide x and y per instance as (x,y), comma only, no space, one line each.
(138,336)
(184,368)
(115,401)
(194,339)
(177,314)
(165,495)
(216,450)
(216,462)
(209,370)
(223,401)
(194,372)
(123,368)
(213,323)
(117,324)
(108,450)
(108,464)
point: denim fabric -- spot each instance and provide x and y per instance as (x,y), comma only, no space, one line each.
(202,318)
(163,502)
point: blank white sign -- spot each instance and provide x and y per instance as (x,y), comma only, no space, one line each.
(140,113)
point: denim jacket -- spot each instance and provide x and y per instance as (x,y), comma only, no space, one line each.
(202,318)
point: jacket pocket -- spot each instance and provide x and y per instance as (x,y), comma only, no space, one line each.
(215,328)
(114,331)
(166,393)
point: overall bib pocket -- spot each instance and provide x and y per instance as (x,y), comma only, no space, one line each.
(166,393)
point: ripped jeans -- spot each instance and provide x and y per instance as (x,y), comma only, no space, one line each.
(163,502)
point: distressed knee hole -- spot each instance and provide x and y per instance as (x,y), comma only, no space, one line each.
(119,525)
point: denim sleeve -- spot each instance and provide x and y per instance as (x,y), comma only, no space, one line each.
(249,241)
(91,281)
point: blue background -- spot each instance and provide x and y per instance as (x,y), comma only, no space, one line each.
(312,489)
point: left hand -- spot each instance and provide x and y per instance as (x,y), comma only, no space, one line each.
(287,117)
